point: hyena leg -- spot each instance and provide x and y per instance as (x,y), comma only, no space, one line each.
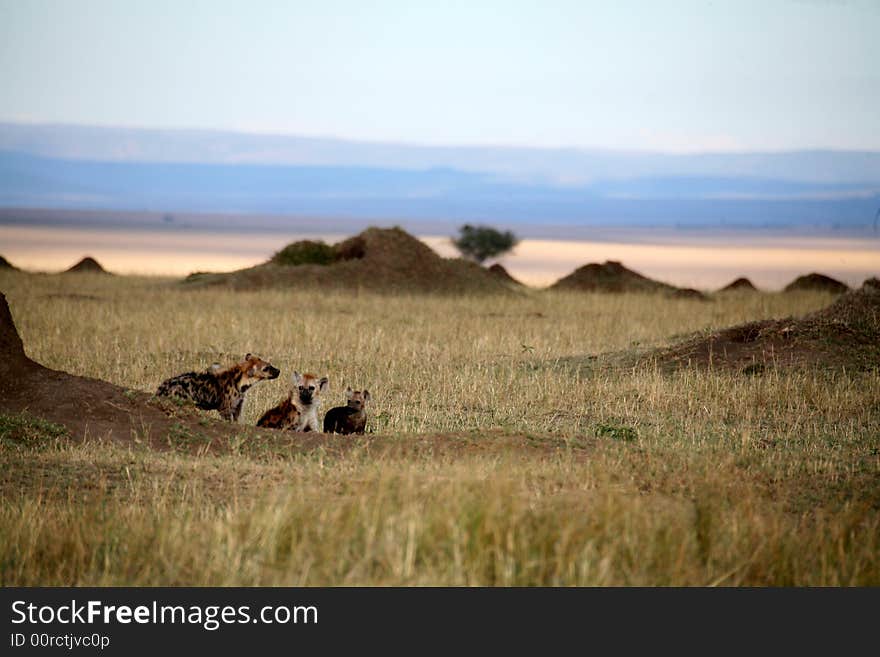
(236,409)
(229,410)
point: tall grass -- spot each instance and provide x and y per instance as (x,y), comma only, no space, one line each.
(432,363)
(477,519)
(503,462)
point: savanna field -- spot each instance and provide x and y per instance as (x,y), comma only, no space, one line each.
(499,450)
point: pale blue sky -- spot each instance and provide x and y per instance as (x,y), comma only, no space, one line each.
(678,76)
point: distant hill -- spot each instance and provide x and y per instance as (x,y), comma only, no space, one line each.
(432,194)
(576,166)
(56,166)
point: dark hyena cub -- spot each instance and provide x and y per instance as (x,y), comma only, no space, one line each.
(351,418)
(220,389)
(299,411)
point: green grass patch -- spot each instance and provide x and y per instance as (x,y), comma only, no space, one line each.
(182,437)
(24,431)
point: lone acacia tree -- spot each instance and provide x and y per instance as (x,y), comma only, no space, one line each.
(481,242)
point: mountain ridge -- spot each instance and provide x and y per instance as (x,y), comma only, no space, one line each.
(561,165)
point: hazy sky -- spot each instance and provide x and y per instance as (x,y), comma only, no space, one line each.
(681,76)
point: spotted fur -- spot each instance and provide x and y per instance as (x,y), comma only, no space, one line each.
(220,389)
(299,411)
(351,418)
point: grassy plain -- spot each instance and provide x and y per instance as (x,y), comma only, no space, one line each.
(499,455)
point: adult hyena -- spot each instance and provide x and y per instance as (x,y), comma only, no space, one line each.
(220,389)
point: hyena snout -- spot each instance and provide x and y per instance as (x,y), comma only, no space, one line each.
(272,372)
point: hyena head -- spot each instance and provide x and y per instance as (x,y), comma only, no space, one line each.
(256,369)
(308,387)
(356,398)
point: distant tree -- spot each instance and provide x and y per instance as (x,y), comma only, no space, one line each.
(481,242)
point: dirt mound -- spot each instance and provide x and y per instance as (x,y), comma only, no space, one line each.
(502,274)
(354,248)
(5,264)
(845,334)
(689,293)
(87,264)
(612,276)
(11,348)
(378,259)
(94,409)
(818,282)
(740,284)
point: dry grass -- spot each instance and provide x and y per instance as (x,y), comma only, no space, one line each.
(554,475)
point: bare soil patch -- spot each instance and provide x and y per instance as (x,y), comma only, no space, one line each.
(845,334)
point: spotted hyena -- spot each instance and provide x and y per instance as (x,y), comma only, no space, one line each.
(220,388)
(299,411)
(351,418)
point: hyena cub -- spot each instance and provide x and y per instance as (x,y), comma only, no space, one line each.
(351,418)
(299,411)
(220,389)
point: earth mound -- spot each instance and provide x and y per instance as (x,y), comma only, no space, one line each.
(689,293)
(818,282)
(845,334)
(378,259)
(612,276)
(5,264)
(90,408)
(87,264)
(740,284)
(502,274)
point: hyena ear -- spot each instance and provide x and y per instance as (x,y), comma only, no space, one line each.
(323,383)
(296,377)
(247,356)
(348,392)
(366,395)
